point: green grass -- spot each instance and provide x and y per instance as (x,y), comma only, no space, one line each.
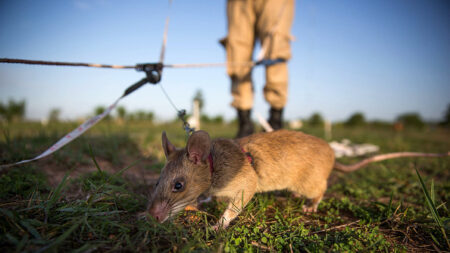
(387,206)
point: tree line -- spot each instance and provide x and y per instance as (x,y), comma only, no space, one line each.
(14,111)
(122,114)
(357,119)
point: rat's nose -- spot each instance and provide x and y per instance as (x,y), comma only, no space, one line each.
(158,211)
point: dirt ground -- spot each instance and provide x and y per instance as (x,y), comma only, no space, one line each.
(137,173)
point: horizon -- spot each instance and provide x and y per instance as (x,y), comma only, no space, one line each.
(131,116)
(380,58)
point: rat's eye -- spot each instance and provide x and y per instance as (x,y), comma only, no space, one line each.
(178,186)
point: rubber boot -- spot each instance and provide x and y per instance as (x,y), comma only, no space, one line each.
(276,118)
(245,123)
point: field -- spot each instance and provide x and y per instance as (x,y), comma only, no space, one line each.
(90,196)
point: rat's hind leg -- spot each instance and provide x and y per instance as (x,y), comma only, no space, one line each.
(311,207)
(312,203)
(314,194)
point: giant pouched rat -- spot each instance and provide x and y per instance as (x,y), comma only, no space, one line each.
(237,169)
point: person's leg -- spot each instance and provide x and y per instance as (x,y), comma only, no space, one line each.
(275,92)
(239,46)
(273,28)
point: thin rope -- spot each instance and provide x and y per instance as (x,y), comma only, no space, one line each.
(212,64)
(166,30)
(95,65)
(258,61)
(180,113)
(168,98)
(57,63)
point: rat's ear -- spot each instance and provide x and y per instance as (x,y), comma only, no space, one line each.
(168,147)
(198,147)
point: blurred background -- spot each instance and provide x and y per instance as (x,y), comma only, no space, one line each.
(381,59)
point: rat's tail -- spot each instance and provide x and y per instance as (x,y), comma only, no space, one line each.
(358,165)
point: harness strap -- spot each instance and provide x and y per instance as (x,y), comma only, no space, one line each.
(249,156)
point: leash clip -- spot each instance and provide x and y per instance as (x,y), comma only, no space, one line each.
(152,70)
(189,130)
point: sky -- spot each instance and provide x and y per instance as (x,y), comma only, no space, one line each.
(382,58)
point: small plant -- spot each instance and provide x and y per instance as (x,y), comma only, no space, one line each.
(430,198)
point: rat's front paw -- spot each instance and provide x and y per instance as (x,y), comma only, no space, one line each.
(216,228)
(220,226)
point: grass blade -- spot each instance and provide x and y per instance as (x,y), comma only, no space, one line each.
(31,229)
(430,202)
(433,208)
(94,160)
(432,193)
(55,195)
(22,244)
(118,173)
(390,205)
(61,238)
(85,248)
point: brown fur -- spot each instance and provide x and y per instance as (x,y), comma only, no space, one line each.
(282,160)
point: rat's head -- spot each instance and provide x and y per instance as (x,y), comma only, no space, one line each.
(184,178)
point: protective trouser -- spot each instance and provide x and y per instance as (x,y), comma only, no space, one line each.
(270,22)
